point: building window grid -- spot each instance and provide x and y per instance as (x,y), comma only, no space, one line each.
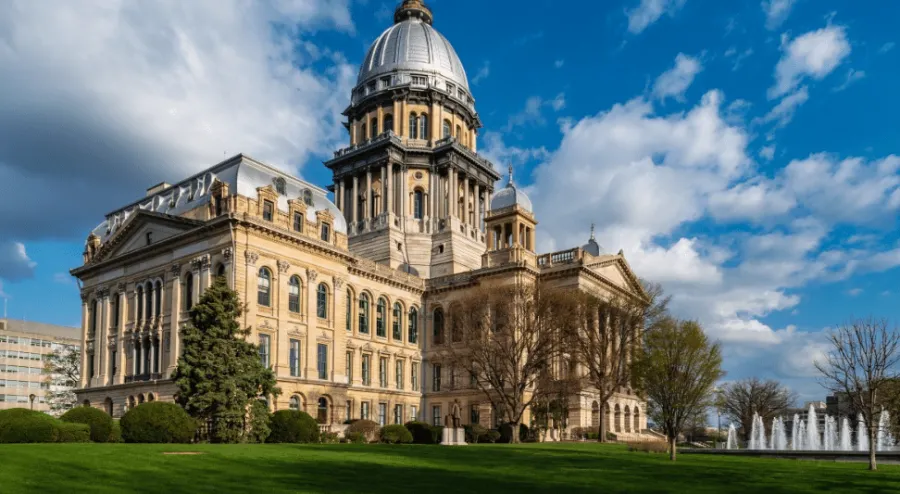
(298,222)
(436,415)
(322,301)
(364,410)
(414,376)
(399,374)
(295,358)
(382,414)
(268,210)
(397,323)
(436,377)
(398,414)
(294,295)
(349,367)
(322,361)
(366,377)
(413,326)
(382,372)
(264,349)
(380,310)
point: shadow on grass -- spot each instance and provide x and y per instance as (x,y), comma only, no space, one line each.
(570,468)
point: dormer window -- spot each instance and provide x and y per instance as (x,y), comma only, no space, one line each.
(386,82)
(419,80)
(450,88)
(268,210)
(307,197)
(298,222)
(279,185)
(326,232)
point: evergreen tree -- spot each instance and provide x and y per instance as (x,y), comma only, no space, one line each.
(220,372)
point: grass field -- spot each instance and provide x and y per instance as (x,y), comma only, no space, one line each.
(558,468)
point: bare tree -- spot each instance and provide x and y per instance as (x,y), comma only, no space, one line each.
(741,399)
(606,331)
(862,364)
(62,373)
(505,338)
(677,369)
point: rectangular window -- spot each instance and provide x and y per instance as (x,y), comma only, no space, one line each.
(295,358)
(112,363)
(323,361)
(474,415)
(399,374)
(473,380)
(349,369)
(382,372)
(298,222)
(413,413)
(366,360)
(265,342)
(414,376)
(382,414)
(326,232)
(268,210)
(436,415)
(436,377)
(398,414)
(90,365)
(349,410)
(364,410)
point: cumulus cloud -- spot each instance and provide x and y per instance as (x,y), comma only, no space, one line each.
(649,11)
(782,113)
(777,11)
(533,113)
(853,75)
(482,73)
(15,264)
(100,99)
(811,55)
(887,47)
(675,81)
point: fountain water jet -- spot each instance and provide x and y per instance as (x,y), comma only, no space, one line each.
(732,442)
(884,437)
(812,430)
(795,433)
(757,433)
(845,445)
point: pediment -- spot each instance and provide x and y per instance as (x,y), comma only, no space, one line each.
(143,230)
(617,271)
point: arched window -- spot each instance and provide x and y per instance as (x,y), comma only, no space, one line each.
(349,305)
(322,411)
(364,313)
(307,197)
(413,126)
(294,403)
(148,293)
(264,287)
(294,294)
(363,133)
(374,129)
(220,270)
(388,122)
(423,126)
(413,325)
(397,323)
(158,309)
(418,204)
(140,306)
(94,308)
(455,330)
(459,134)
(188,291)
(380,311)
(446,129)
(438,326)
(322,301)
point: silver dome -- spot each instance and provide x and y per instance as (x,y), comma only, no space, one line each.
(510,196)
(592,247)
(413,46)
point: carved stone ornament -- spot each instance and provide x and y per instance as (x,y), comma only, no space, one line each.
(338,283)
(251,257)
(120,287)
(195,264)
(85,295)
(283,266)
(311,275)
(175,269)
(205,261)
(227,253)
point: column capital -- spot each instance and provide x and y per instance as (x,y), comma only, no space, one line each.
(283,266)
(251,257)
(227,253)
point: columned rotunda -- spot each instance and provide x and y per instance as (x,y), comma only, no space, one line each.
(346,297)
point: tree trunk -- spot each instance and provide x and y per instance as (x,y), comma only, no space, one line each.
(515,433)
(601,435)
(672,451)
(872,447)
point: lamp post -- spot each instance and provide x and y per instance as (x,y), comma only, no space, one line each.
(31,398)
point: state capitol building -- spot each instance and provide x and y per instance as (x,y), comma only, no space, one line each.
(346,297)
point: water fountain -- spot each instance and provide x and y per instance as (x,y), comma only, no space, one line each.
(795,433)
(845,444)
(862,434)
(884,437)
(779,435)
(812,442)
(757,433)
(732,442)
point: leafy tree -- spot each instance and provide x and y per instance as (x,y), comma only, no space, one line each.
(677,370)
(862,365)
(62,374)
(220,372)
(741,399)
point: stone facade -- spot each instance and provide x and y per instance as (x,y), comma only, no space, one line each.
(340,295)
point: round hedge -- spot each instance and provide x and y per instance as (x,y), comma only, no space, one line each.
(421,432)
(100,423)
(395,434)
(157,422)
(20,425)
(365,427)
(70,432)
(506,431)
(293,426)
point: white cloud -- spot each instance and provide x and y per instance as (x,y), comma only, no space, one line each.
(853,75)
(767,152)
(559,63)
(559,102)
(887,47)
(63,279)
(854,292)
(482,73)
(750,201)
(649,11)
(738,57)
(777,11)
(783,112)
(497,152)
(675,81)
(141,92)
(14,262)
(533,113)
(814,54)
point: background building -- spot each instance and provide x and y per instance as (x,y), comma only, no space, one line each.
(23,345)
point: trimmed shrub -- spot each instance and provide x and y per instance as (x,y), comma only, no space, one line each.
(99,422)
(421,432)
(490,436)
(20,425)
(71,432)
(365,427)
(474,433)
(355,437)
(293,426)
(329,437)
(437,434)
(648,446)
(395,434)
(157,422)
(115,434)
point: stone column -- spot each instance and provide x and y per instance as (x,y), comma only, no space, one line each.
(205,279)
(383,200)
(466,200)
(136,354)
(175,318)
(476,214)
(310,371)
(142,359)
(404,191)
(85,322)
(369,208)
(355,201)
(389,189)
(101,348)
(121,359)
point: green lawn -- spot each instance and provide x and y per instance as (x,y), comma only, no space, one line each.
(558,468)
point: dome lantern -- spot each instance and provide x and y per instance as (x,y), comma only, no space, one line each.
(413,8)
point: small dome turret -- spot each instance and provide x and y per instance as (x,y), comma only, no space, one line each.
(510,196)
(592,247)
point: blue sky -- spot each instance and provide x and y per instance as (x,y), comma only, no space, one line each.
(741,153)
